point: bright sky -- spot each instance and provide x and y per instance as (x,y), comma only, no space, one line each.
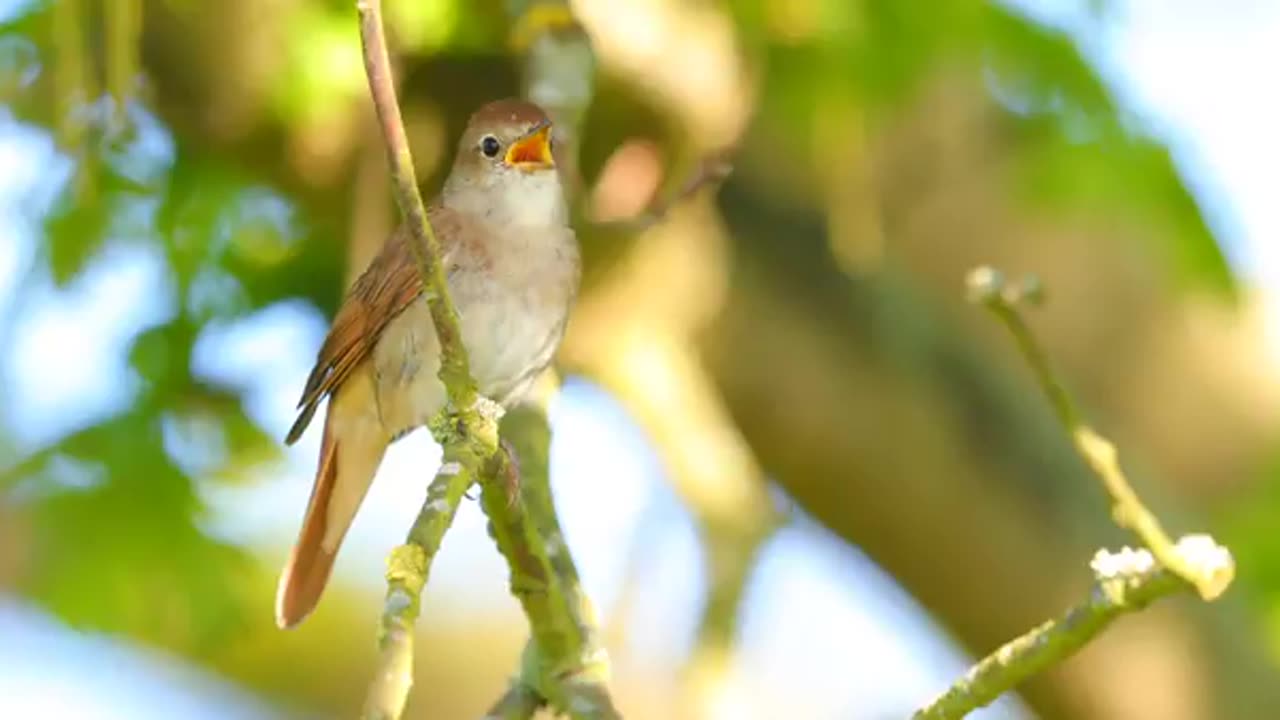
(820,619)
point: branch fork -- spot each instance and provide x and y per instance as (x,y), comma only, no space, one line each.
(1124,581)
(556,669)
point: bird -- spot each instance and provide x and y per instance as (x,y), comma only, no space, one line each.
(513,267)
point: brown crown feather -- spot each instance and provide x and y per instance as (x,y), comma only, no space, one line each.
(508,110)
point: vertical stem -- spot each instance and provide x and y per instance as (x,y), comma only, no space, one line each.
(563,664)
(987,286)
(72,90)
(455,370)
(124,24)
(464,452)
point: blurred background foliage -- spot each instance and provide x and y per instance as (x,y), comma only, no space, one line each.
(801,334)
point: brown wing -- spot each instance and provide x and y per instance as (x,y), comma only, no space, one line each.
(388,286)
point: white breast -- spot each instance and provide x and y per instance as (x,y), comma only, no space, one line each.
(513,317)
(518,326)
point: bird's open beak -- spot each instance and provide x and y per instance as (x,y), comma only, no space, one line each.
(533,151)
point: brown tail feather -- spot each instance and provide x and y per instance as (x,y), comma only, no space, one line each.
(350,453)
(300,425)
(307,571)
(351,450)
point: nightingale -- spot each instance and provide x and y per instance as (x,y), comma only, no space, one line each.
(513,270)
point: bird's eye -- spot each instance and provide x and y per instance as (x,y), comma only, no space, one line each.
(490,146)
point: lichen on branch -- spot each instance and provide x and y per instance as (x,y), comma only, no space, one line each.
(564,665)
(464,452)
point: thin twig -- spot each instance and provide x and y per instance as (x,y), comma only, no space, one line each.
(562,668)
(465,451)
(454,365)
(123,25)
(407,570)
(1124,582)
(988,287)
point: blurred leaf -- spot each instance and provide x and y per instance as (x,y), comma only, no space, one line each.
(124,553)
(19,64)
(323,69)
(423,25)
(1108,175)
(215,438)
(76,232)
(1044,65)
(162,357)
(1073,152)
(897,45)
(83,218)
(113,560)
(189,218)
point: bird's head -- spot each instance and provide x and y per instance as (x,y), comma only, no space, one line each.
(505,166)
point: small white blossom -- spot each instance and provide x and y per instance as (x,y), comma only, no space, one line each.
(1127,561)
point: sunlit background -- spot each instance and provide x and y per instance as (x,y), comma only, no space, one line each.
(777,396)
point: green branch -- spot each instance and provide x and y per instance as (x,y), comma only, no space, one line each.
(455,368)
(987,286)
(564,664)
(1124,582)
(561,665)
(468,429)
(407,569)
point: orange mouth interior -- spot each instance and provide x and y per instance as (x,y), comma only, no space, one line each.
(533,150)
